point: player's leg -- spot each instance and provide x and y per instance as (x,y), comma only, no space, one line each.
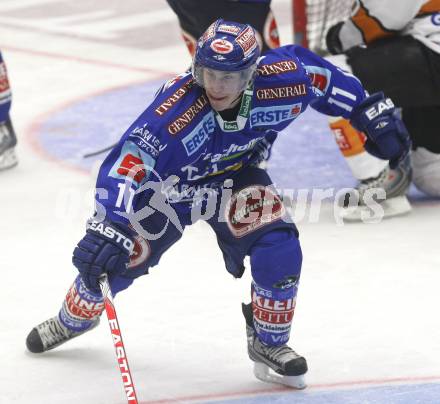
(420,112)
(81,309)
(195,16)
(8,140)
(257,225)
(407,71)
(276,267)
(426,168)
(79,313)
(422,123)
(402,67)
(372,173)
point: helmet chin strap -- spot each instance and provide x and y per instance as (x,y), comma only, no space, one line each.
(236,101)
(240,95)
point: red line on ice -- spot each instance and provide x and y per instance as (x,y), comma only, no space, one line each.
(280,390)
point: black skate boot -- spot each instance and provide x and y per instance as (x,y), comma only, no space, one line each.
(52,333)
(395,182)
(288,367)
(8,140)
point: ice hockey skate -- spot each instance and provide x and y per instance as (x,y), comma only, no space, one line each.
(394,183)
(273,364)
(8,140)
(52,333)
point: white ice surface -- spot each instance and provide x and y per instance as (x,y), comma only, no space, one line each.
(368,303)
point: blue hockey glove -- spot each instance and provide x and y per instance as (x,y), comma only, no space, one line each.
(105,248)
(332,40)
(387,137)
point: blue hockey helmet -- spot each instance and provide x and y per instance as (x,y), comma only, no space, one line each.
(227,46)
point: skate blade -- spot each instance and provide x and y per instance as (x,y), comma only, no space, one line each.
(396,206)
(265,374)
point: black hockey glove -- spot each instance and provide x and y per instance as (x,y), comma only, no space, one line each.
(387,137)
(332,40)
(105,248)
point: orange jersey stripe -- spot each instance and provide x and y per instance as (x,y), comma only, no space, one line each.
(372,29)
(431,6)
(369,26)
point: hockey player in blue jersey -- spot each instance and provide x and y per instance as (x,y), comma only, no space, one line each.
(193,155)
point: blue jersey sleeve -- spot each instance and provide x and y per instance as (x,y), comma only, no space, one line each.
(128,166)
(337,92)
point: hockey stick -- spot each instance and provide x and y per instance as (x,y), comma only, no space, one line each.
(95,153)
(127,380)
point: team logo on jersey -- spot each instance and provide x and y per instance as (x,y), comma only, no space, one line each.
(222,46)
(199,135)
(131,166)
(319,81)
(319,77)
(251,208)
(247,41)
(176,96)
(436,19)
(274,115)
(233,151)
(141,252)
(146,141)
(183,120)
(277,68)
(274,93)
(194,173)
(131,163)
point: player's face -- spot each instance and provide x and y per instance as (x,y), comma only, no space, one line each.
(222,88)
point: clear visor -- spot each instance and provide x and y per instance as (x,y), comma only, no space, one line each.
(227,81)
